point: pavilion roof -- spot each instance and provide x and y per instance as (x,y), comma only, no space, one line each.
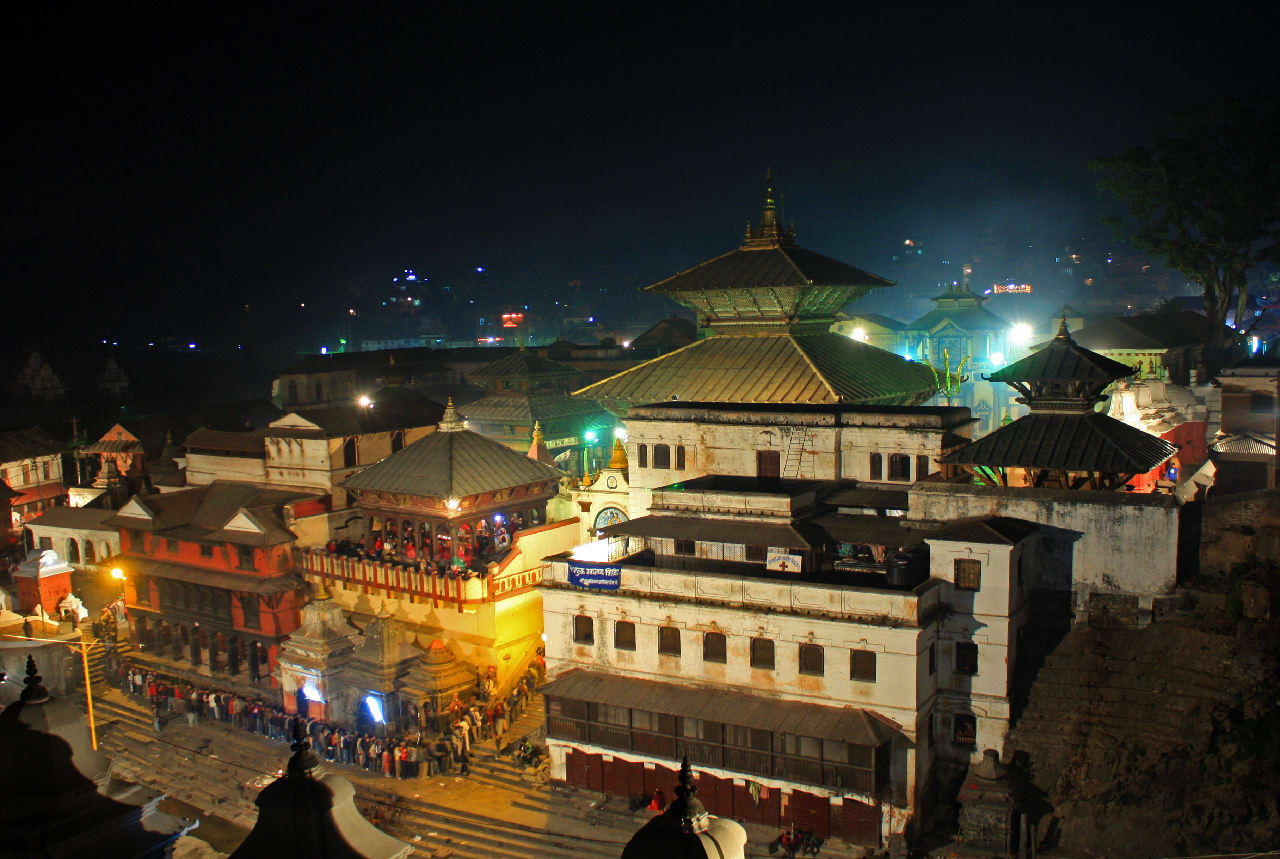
(1062,360)
(451,464)
(525,408)
(1083,441)
(523,364)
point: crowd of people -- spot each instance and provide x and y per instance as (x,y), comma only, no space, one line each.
(443,744)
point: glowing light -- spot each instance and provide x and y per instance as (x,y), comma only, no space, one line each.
(859,334)
(117,573)
(626,344)
(544,638)
(597,551)
(191,345)
(589,435)
(997,358)
(364,401)
(375,708)
(351,311)
(620,432)
(302,305)
(479,269)
(311,693)
(907,355)
(591,319)
(1021,334)
(411,277)
(497,517)
(1255,345)
(453,503)
(324,350)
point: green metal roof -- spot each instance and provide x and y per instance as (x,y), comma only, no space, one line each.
(1086,441)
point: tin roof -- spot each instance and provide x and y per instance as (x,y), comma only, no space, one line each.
(775,367)
(392,408)
(83,518)
(1245,443)
(203,512)
(523,364)
(1076,442)
(21,444)
(718,530)
(777,266)
(739,707)
(526,408)
(1062,360)
(250,582)
(230,441)
(451,463)
(996,530)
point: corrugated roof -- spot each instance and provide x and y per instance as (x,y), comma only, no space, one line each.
(451,465)
(1146,331)
(1076,442)
(524,365)
(113,445)
(236,442)
(26,444)
(877,530)
(966,318)
(524,409)
(1245,443)
(201,512)
(1062,360)
(771,368)
(739,707)
(999,530)
(86,518)
(714,530)
(778,266)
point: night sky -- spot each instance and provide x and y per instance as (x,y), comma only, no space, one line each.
(165,171)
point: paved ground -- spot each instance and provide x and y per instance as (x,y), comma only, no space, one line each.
(499,812)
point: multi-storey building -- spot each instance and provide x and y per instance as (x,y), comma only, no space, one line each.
(209,574)
(31,466)
(811,655)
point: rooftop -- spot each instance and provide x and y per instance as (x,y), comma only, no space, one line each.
(225,510)
(22,444)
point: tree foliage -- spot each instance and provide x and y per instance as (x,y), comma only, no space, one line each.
(1204,196)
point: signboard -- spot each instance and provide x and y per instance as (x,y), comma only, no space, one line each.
(783,561)
(554,443)
(597,577)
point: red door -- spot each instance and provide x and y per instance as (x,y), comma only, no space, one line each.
(810,813)
(768,463)
(859,823)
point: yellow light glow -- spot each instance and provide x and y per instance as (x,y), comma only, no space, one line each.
(1021,334)
(117,573)
(365,401)
(453,504)
(859,334)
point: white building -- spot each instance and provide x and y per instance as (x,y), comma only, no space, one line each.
(812,656)
(78,534)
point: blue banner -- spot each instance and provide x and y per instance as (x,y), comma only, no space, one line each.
(597,578)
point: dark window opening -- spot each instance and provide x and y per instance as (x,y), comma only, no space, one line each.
(756,553)
(686,547)
(245,554)
(206,551)
(624,635)
(877,467)
(964,729)
(680,457)
(811,659)
(669,640)
(249,606)
(397,440)
(642,455)
(349,453)
(143,589)
(862,665)
(923,467)
(899,466)
(714,647)
(966,657)
(933,658)
(171,545)
(762,653)
(968,574)
(584,629)
(661,456)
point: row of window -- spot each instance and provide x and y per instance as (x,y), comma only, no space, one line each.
(899,466)
(661,456)
(752,552)
(812,657)
(28,471)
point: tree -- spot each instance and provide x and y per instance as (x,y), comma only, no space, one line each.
(1204,196)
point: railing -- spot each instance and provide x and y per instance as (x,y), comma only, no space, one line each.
(417,581)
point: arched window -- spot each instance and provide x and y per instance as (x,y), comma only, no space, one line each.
(680,457)
(73,551)
(899,466)
(88,552)
(293,393)
(349,453)
(877,467)
(661,456)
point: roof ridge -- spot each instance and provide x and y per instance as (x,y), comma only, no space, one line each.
(835,395)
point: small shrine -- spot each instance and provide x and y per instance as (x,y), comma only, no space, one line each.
(989,817)
(309,812)
(1063,442)
(44,581)
(314,653)
(686,831)
(602,499)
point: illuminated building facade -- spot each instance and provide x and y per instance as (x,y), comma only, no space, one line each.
(31,466)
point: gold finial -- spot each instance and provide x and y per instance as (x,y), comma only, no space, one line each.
(537,432)
(320,592)
(618,460)
(1062,328)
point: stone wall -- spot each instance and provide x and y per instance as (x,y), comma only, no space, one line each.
(1236,527)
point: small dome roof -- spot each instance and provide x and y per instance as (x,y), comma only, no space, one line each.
(686,831)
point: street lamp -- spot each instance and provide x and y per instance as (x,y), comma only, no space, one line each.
(118,575)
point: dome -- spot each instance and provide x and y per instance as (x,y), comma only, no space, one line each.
(686,831)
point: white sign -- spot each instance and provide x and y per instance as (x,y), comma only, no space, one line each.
(561,442)
(780,560)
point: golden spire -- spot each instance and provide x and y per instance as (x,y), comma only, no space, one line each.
(618,460)
(1062,328)
(320,592)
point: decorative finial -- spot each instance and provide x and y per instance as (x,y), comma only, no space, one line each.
(450,422)
(303,761)
(34,691)
(321,591)
(686,807)
(537,431)
(1062,328)
(618,458)
(1006,420)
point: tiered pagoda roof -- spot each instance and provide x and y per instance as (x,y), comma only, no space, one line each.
(769,305)
(1063,434)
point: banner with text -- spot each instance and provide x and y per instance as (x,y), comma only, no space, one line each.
(597,578)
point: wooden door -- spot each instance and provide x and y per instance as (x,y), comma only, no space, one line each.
(768,464)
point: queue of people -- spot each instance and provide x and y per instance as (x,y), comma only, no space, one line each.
(457,729)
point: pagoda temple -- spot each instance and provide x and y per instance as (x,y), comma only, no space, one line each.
(1064,442)
(769,306)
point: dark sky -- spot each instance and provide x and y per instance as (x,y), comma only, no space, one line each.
(166,168)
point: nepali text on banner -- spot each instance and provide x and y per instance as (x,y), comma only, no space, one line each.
(596,578)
